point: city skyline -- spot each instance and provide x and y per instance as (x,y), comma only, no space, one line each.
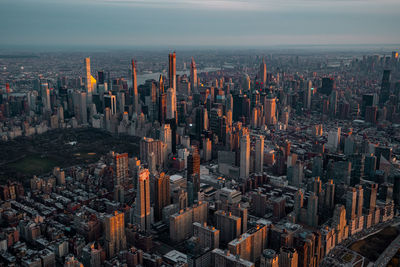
(200,133)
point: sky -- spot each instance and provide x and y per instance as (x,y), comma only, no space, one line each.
(170,23)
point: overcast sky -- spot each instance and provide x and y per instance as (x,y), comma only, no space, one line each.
(198,23)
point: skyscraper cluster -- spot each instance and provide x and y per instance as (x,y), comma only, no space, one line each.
(243,165)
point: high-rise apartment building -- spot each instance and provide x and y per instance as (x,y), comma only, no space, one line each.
(269,258)
(181,223)
(172,71)
(228,224)
(80,106)
(193,171)
(259,154)
(110,101)
(251,244)
(148,146)
(270,110)
(307,94)
(263,73)
(339,222)
(244,156)
(88,79)
(207,149)
(312,210)
(226,259)
(134,92)
(385,88)
(162,108)
(329,201)
(208,236)
(370,193)
(166,136)
(162,194)
(351,203)
(121,162)
(171,103)
(288,257)
(193,76)
(142,208)
(114,229)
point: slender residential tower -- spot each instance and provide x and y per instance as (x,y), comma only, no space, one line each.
(171,103)
(161,83)
(162,194)
(172,70)
(88,77)
(244,157)
(385,88)
(142,211)
(270,110)
(259,157)
(193,76)
(135,97)
(263,73)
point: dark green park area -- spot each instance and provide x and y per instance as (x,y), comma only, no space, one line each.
(33,165)
(24,157)
(372,246)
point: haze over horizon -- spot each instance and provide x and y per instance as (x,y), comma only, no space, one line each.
(198,23)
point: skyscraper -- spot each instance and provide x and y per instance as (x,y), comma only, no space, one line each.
(88,77)
(121,168)
(193,171)
(142,209)
(263,73)
(360,200)
(80,107)
(162,194)
(270,110)
(259,157)
(329,195)
(171,103)
(312,209)
(162,108)
(385,88)
(307,95)
(298,204)
(244,156)
(340,223)
(161,85)
(172,70)
(166,136)
(351,203)
(115,238)
(193,76)
(46,97)
(135,97)
(371,190)
(100,77)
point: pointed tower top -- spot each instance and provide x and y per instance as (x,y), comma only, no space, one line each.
(193,64)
